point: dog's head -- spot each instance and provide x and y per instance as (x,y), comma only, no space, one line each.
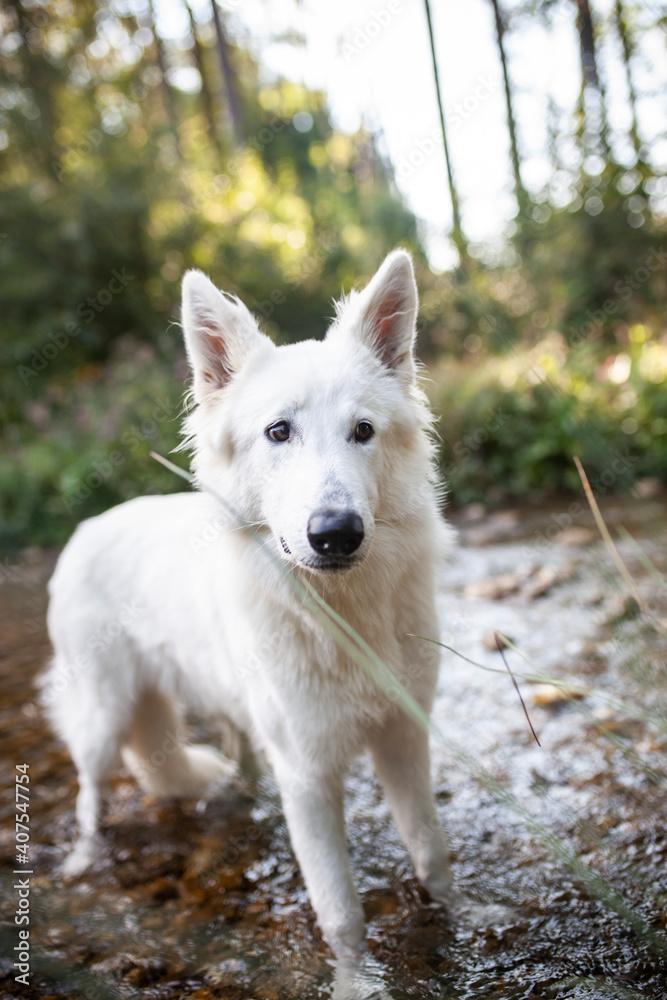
(315,440)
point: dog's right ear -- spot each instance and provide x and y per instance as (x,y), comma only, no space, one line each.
(220,334)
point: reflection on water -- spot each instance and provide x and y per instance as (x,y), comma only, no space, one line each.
(204,901)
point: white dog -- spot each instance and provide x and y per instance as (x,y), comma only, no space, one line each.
(164,603)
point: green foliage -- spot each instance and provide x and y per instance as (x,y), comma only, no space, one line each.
(511,425)
(103,206)
(115,182)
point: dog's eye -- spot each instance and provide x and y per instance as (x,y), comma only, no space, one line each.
(279,431)
(364,431)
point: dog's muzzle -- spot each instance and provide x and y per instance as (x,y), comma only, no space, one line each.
(335,533)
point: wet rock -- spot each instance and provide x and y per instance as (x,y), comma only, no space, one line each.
(161,889)
(228,969)
(114,966)
(145,971)
(203,860)
(59,934)
(380,903)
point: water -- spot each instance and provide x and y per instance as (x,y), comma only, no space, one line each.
(207,901)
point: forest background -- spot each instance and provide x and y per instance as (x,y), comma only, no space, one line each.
(130,154)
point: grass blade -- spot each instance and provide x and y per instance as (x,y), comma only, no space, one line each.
(499,644)
(623,571)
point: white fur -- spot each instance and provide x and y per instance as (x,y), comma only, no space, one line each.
(163,602)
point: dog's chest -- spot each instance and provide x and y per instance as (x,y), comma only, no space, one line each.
(312,701)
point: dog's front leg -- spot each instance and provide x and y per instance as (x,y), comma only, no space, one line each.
(313,807)
(402,763)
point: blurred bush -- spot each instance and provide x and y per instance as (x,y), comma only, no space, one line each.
(114,180)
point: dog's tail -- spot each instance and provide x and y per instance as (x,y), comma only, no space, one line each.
(160,760)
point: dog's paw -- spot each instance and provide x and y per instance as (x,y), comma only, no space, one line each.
(346,938)
(440,888)
(84,854)
(363,979)
(209,770)
(188,772)
(467,911)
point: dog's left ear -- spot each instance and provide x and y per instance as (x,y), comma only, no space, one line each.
(386,311)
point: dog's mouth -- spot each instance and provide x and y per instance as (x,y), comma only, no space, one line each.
(323,564)
(329,565)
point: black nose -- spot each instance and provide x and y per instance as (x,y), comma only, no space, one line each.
(335,533)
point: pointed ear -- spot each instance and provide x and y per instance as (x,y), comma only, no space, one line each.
(385,314)
(220,333)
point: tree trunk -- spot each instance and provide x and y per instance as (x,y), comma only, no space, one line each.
(553,134)
(591,82)
(39,78)
(227,74)
(200,59)
(162,64)
(628,49)
(457,232)
(519,189)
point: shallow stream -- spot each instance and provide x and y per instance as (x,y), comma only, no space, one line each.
(205,900)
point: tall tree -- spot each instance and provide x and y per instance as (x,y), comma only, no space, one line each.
(227,74)
(593,93)
(553,134)
(519,189)
(200,59)
(39,77)
(457,231)
(627,45)
(162,65)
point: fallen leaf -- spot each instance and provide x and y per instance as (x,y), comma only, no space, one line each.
(494,587)
(492,640)
(550,695)
(576,535)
